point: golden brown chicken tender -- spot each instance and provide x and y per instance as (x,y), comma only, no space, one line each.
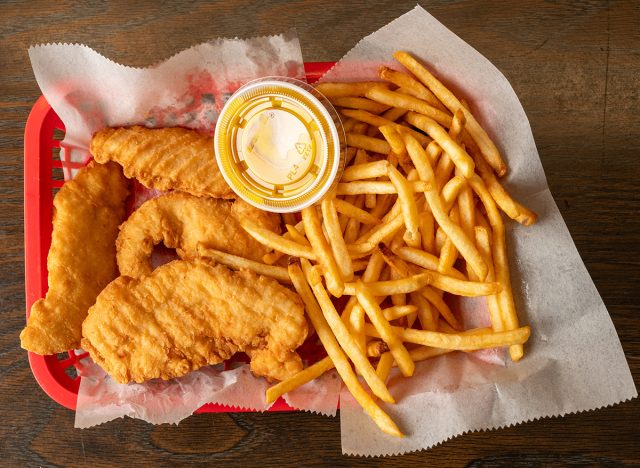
(82,257)
(163,158)
(188,314)
(182,222)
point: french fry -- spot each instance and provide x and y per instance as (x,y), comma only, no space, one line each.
(448,252)
(382,232)
(325,331)
(458,341)
(450,192)
(467,211)
(426,225)
(399,299)
(360,249)
(395,141)
(489,150)
(360,265)
(352,230)
(342,335)
(397,349)
(464,288)
(369,170)
(306,375)
(445,165)
(375,145)
(423,353)
(408,205)
(353,313)
(382,208)
(276,242)
(428,319)
(349,124)
(443,309)
(394,114)
(337,243)
(425,260)
(501,263)
(384,366)
(295,235)
(457,154)
(289,218)
(352,211)
(378,187)
(464,245)
(399,286)
(323,252)
(237,263)
(359,103)
(484,244)
(412,86)
(333,90)
(395,99)
(379,121)
(396,312)
(511,207)
(375,348)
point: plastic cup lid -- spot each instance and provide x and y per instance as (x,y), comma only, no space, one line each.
(278,145)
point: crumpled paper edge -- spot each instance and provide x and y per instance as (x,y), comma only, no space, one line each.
(491,428)
(289,33)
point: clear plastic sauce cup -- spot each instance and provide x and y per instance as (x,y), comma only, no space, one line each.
(279,144)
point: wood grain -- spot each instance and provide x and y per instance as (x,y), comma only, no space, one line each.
(576,68)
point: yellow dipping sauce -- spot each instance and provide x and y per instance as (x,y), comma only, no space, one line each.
(279,144)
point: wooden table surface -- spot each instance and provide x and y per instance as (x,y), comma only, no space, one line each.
(576,68)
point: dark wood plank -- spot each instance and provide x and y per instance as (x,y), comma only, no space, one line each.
(576,68)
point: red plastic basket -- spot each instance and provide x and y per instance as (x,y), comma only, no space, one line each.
(42,136)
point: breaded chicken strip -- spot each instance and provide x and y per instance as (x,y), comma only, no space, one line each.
(182,222)
(82,257)
(188,314)
(163,158)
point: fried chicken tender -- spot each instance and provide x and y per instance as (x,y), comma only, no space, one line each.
(182,222)
(164,158)
(82,257)
(188,314)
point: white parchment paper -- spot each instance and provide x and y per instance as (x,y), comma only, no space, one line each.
(574,360)
(90,92)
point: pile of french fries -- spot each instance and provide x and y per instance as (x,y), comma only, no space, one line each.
(415,217)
